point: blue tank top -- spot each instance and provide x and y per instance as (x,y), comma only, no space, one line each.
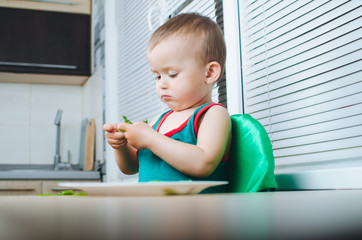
(153,168)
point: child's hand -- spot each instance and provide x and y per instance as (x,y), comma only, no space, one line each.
(115,138)
(137,134)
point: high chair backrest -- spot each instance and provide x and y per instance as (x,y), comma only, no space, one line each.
(251,166)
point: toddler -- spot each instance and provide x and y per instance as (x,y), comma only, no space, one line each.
(190,141)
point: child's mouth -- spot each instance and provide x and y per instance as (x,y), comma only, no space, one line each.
(165,97)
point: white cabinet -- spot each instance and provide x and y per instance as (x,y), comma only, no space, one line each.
(21,187)
(34,187)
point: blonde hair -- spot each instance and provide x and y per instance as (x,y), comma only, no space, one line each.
(207,32)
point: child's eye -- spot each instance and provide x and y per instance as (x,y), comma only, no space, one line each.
(173,75)
(157,77)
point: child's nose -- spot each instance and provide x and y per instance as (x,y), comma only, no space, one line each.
(163,82)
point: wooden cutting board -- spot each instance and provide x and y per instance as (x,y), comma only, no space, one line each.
(89,145)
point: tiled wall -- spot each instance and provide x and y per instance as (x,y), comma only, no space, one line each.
(27,114)
(27,130)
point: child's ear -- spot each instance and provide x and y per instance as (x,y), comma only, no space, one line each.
(213,72)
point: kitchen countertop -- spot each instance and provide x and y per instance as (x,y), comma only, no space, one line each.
(44,172)
(48,175)
(329,214)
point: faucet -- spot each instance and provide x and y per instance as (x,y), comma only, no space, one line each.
(57,142)
(58,165)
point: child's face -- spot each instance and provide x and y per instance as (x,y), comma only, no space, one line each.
(180,75)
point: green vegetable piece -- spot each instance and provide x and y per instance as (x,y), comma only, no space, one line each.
(169,191)
(80,194)
(65,193)
(68,192)
(126,120)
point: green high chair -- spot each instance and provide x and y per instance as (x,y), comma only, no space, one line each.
(251,166)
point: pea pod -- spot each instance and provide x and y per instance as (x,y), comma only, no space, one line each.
(126,120)
(65,193)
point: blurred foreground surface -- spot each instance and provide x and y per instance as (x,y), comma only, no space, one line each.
(330,214)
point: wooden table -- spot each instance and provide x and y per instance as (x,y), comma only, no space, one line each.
(278,215)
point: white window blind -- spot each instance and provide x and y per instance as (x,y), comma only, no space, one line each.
(302,77)
(136,20)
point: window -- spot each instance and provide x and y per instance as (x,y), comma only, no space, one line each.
(302,78)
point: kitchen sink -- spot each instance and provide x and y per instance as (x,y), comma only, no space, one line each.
(33,167)
(32,171)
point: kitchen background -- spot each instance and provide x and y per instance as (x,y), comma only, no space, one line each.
(28,110)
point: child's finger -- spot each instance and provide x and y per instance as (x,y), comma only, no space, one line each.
(114,135)
(117,141)
(110,127)
(122,126)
